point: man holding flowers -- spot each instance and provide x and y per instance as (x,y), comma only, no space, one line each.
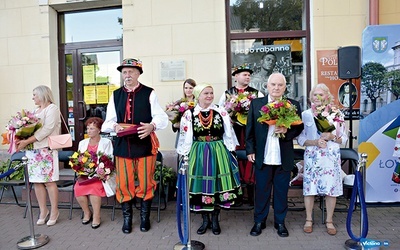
(236,100)
(272,156)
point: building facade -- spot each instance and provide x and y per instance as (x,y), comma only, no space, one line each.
(74,46)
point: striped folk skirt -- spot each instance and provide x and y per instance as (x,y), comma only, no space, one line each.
(213,176)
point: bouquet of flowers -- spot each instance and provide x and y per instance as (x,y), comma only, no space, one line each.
(325,116)
(21,126)
(92,166)
(280,113)
(176,109)
(238,106)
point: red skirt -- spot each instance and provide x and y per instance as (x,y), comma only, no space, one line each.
(93,188)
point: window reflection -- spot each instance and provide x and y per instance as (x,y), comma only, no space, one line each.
(265,15)
(95,25)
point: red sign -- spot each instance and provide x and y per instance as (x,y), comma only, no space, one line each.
(327,69)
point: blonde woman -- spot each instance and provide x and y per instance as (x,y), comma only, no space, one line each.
(43,169)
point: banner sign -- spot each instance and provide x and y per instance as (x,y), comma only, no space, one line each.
(380,111)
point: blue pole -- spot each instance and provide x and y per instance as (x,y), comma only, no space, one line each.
(358,189)
(183,198)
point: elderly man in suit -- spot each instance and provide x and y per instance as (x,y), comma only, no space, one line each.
(273,158)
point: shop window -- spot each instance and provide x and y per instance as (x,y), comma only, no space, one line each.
(266,15)
(270,36)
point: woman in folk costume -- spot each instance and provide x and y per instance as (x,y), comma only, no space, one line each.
(207,137)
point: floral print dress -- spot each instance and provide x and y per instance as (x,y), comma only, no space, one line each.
(43,162)
(322,166)
(213,170)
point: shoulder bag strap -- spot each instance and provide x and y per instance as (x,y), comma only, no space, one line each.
(65,124)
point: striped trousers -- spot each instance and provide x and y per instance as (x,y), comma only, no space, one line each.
(143,169)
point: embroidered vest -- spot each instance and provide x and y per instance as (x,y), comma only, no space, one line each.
(132,146)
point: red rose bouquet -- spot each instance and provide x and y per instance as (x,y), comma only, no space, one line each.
(92,166)
(280,113)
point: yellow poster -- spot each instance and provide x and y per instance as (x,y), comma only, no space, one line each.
(111,88)
(88,74)
(89,94)
(102,94)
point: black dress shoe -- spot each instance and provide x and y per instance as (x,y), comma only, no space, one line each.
(256,230)
(95,226)
(282,230)
(85,222)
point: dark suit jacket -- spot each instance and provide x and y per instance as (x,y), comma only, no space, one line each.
(256,135)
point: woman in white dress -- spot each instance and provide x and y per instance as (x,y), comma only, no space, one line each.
(322,164)
(43,162)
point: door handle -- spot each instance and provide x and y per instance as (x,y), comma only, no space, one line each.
(84,110)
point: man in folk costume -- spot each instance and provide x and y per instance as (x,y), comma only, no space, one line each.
(242,79)
(135,108)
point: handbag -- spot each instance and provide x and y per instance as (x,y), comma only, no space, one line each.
(60,141)
(110,185)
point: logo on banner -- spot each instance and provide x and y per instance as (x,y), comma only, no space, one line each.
(379,44)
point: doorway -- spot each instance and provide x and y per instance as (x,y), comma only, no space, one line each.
(88,76)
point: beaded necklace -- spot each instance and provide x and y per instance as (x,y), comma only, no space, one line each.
(206,122)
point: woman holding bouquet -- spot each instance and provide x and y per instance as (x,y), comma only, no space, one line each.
(324,132)
(42,163)
(188,86)
(93,191)
(207,137)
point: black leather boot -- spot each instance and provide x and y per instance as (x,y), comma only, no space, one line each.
(145,215)
(215,223)
(206,223)
(127,214)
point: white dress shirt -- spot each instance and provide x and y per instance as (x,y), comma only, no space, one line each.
(272,152)
(160,118)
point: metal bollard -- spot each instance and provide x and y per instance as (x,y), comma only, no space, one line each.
(192,244)
(32,241)
(351,244)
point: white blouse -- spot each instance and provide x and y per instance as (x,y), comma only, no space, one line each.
(186,130)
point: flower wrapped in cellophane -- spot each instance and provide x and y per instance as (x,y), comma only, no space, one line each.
(21,126)
(91,166)
(281,113)
(326,116)
(176,109)
(238,105)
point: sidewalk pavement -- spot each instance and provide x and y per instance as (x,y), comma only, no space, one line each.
(71,234)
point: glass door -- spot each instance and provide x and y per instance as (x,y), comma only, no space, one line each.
(90,78)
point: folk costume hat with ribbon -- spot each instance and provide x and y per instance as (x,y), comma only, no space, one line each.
(199,88)
(132,63)
(241,68)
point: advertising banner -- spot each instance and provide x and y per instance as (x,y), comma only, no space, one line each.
(263,60)
(327,68)
(380,111)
